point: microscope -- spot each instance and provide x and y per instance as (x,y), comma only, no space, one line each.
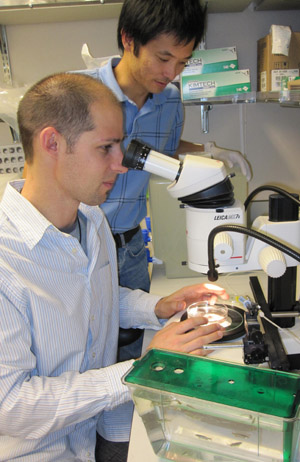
(219,240)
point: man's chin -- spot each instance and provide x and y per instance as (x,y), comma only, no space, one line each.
(97,200)
(159,87)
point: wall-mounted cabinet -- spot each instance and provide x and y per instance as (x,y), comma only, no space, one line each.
(45,11)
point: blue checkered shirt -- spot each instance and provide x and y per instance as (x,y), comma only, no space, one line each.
(159,124)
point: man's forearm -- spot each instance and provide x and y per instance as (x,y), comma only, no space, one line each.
(187,146)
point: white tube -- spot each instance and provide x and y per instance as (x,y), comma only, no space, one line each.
(162,165)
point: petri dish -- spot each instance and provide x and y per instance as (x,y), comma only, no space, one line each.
(213,313)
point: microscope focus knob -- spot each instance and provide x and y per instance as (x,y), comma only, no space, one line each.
(223,247)
(272,262)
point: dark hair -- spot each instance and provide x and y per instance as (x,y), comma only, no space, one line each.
(61,101)
(144,20)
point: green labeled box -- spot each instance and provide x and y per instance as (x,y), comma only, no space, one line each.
(202,409)
(213,60)
(199,86)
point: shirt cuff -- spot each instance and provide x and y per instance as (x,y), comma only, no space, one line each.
(119,392)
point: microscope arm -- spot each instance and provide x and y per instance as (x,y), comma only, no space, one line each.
(212,272)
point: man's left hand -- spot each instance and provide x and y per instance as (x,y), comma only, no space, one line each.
(230,158)
(179,300)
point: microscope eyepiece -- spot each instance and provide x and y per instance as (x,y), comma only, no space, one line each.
(139,156)
(136,155)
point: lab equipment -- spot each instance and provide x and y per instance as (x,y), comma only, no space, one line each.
(202,409)
(216,231)
(205,189)
(255,348)
(236,323)
(213,313)
(9,101)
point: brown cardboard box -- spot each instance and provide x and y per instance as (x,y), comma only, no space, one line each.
(294,84)
(267,62)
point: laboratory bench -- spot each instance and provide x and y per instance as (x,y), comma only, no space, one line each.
(236,284)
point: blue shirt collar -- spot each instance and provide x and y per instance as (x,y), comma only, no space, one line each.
(108,78)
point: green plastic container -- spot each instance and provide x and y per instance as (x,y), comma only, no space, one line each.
(201,409)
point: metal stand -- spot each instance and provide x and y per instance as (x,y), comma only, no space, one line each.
(282,291)
(277,356)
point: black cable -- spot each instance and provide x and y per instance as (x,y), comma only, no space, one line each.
(268,187)
(79,228)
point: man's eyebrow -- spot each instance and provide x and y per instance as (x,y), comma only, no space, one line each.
(113,140)
(167,53)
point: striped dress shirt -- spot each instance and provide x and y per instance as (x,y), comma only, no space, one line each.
(60,311)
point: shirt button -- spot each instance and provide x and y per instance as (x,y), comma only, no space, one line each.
(74,251)
(92,318)
(94,355)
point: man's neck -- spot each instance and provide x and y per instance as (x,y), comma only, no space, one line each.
(128,85)
(49,202)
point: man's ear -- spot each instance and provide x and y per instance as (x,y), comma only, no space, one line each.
(50,141)
(127,41)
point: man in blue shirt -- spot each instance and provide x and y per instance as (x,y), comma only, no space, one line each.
(156,38)
(60,302)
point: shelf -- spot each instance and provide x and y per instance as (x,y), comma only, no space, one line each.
(58,12)
(284,98)
(47,11)
(266,5)
(249,97)
(228,6)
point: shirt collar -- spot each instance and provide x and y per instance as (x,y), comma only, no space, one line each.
(23,214)
(109,79)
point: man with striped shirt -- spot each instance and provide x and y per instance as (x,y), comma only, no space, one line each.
(60,303)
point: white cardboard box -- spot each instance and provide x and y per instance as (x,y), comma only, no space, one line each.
(215,84)
(213,60)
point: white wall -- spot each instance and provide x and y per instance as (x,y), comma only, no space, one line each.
(267,134)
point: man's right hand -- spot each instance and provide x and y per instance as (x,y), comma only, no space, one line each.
(187,336)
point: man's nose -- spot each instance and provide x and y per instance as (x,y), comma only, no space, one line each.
(117,160)
(170,71)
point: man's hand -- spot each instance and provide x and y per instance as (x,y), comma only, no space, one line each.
(179,300)
(230,158)
(187,336)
